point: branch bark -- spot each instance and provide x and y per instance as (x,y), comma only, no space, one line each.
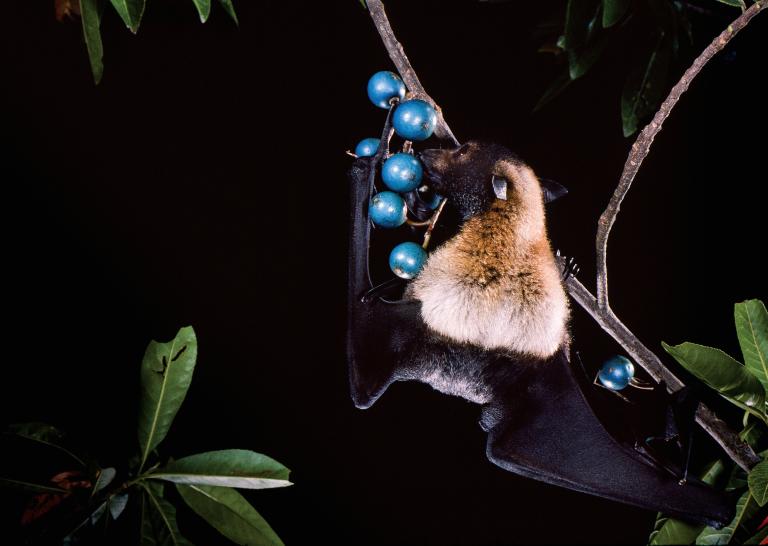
(403,65)
(643,144)
(598,308)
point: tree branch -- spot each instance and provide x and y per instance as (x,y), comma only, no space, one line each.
(407,73)
(741,453)
(643,144)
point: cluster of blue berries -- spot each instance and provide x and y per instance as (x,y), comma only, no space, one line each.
(413,120)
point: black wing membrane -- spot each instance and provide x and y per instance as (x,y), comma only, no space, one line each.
(551,434)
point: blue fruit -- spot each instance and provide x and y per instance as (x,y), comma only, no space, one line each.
(402,172)
(366,147)
(616,373)
(387,210)
(407,259)
(383,87)
(414,119)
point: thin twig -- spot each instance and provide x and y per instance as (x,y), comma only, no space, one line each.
(407,73)
(741,453)
(433,222)
(643,144)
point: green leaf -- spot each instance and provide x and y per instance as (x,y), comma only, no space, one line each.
(106,475)
(713,472)
(38,432)
(758,483)
(166,372)
(613,11)
(92,519)
(229,467)
(44,434)
(580,64)
(89,14)
(581,31)
(230,514)
(722,373)
(746,507)
(644,89)
(130,11)
(117,504)
(673,531)
(362,3)
(579,21)
(752,432)
(752,328)
(558,86)
(95,516)
(734,3)
(759,536)
(737,480)
(31,487)
(230,9)
(158,520)
(203,8)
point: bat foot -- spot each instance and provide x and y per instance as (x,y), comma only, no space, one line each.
(570,268)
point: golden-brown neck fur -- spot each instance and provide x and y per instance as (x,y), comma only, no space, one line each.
(509,233)
(496,283)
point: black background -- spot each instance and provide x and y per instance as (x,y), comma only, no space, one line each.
(203,183)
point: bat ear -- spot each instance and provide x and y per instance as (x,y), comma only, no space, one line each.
(499,187)
(552,190)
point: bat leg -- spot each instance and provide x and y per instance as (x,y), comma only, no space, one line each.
(670,445)
(551,434)
(570,267)
(685,403)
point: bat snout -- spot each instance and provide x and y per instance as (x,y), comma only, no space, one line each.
(431,160)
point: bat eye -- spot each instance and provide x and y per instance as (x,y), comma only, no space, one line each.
(462,150)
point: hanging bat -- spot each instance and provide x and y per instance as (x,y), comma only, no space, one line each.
(486,319)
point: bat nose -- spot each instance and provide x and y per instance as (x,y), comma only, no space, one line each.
(429,160)
(429,156)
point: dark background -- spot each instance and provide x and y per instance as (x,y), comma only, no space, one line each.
(203,183)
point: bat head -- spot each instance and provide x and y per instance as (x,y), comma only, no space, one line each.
(465,175)
(471,178)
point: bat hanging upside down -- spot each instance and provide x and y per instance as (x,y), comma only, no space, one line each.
(487,320)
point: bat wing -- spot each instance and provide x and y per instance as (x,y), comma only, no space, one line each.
(550,433)
(378,333)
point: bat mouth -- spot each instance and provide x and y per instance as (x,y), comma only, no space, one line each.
(429,162)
